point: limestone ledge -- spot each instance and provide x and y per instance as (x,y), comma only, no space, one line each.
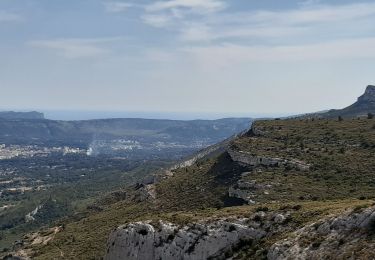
(248,159)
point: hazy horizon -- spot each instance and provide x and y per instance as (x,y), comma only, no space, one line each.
(186,56)
(92,114)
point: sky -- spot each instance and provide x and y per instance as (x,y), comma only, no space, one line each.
(242,57)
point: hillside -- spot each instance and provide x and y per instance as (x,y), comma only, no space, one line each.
(277,179)
(51,169)
(364,105)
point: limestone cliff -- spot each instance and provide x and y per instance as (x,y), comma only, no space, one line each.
(334,237)
(348,236)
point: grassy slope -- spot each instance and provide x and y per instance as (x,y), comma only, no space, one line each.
(341,155)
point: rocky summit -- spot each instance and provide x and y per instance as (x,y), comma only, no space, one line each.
(368,96)
(364,105)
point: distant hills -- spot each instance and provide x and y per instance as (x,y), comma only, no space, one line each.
(21,115)
(131,136)
(43,130)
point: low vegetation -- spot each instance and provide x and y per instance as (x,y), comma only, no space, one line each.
(340,177)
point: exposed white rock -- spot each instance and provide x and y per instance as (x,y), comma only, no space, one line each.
(333,238)
(279,218)
(166,241)
(256,130)
(252,160)
(144,192)
(246,190)
(248,159)
(30,216)
(246,195)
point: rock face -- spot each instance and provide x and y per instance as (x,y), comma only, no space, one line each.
(364,105)
(256,131)
(246,190)
(335,238)
(369,95)
(245,194)
(166,241)
(252,160)
(247,159)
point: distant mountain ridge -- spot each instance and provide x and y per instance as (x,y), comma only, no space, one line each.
(21,115)
(128,136)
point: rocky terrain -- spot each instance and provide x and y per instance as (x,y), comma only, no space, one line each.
(344,236)
(267,193)
(347,236)
(142,240)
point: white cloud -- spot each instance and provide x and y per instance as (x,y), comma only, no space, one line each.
(116,7)
(298,16)
(197,32)
(228,55)
(195,5)
(204,33)
(173,12)
(157,20)
(201,21)
(9,17)
(309,2)
(75,48)
(321,14)
(310,23)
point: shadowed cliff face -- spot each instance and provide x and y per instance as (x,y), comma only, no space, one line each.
(368,96)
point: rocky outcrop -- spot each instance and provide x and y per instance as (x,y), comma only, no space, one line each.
(246,190)
(208,239)
(333,238)
(369,95)
(364,105)
(245,194)
(255,130)
(30,216)
(248,159)
(142,240)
